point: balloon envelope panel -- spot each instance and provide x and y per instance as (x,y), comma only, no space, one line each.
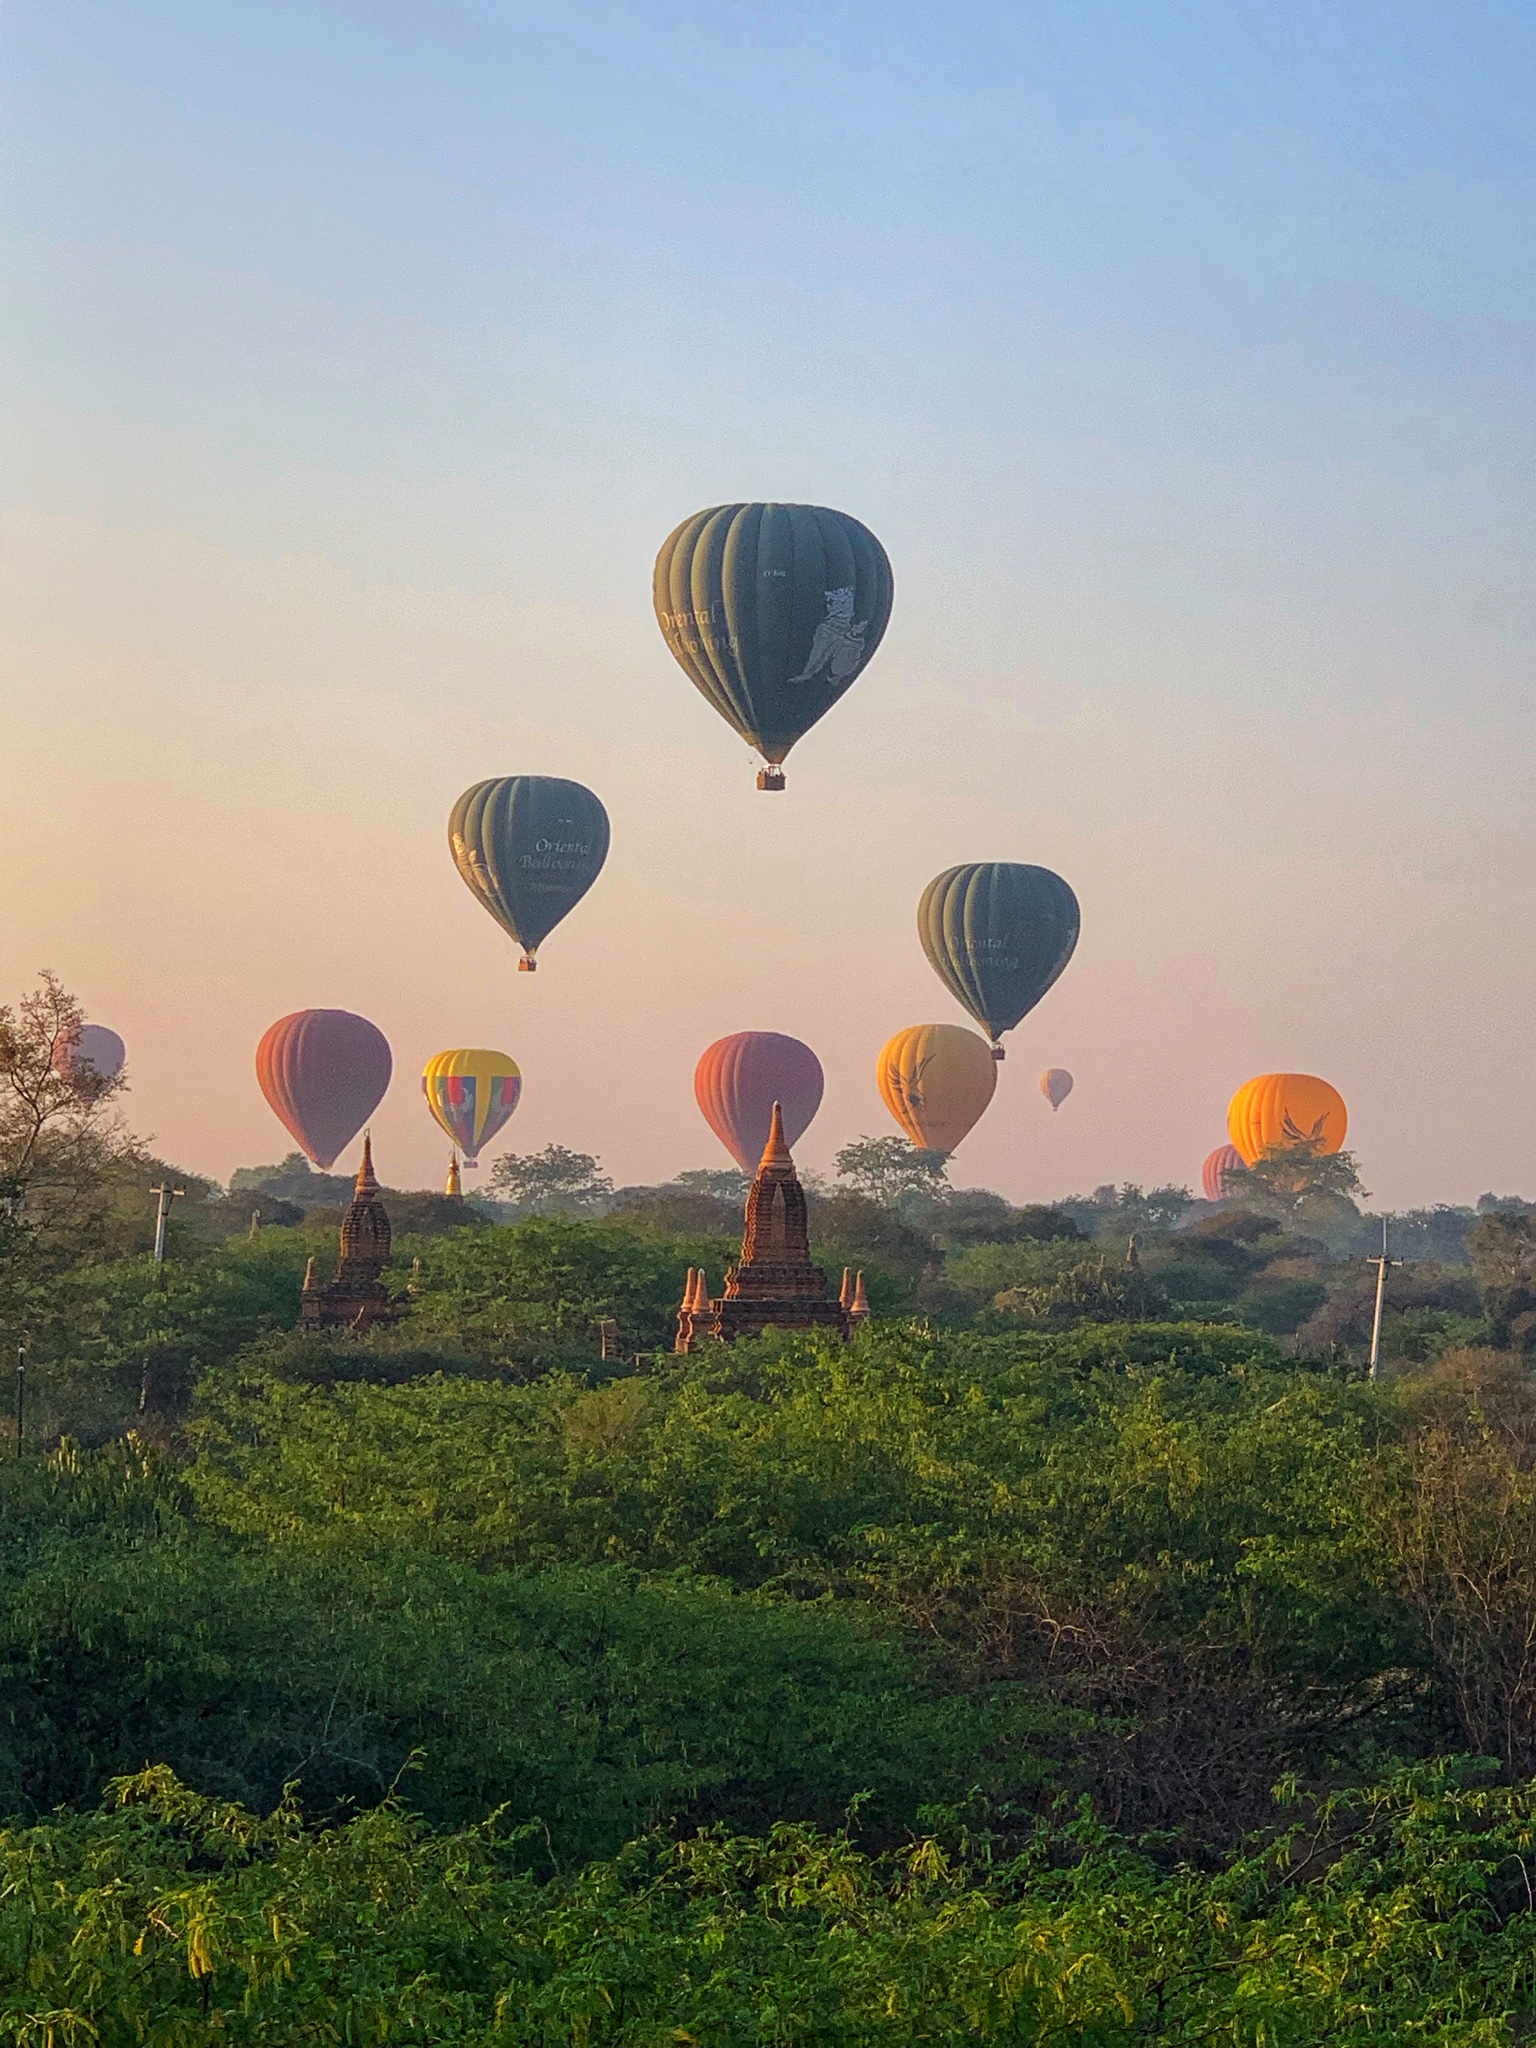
(772,611)
(529,847)
(1273,1111)
(472,1092)
(739,1079)
(324,1073)
(93,1052)
(1055,1086)
(998,933)
(936,1080)
(1216,1174)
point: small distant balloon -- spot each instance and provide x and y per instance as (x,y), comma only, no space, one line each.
(936,1080)
(1216,1176)
(472,1093)
(1055,1086)
(772,612)
(997,934)
(94,1053)
(1273,1111)
(739,1079)
(324,1073)
(529,847)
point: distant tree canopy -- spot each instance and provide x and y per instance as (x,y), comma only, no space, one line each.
(886,1169)
(554,1181)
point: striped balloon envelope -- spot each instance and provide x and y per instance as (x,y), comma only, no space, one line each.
(471,1092)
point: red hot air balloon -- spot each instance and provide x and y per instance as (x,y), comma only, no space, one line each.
(1214,1175)
(323,1073)
(740,1078)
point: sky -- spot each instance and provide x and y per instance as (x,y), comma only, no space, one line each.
(359,357)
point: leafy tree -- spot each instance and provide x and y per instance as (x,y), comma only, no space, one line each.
(293,1179)
(1112,1212)
(719,1183)
(1502,1249)
(885,1169)
(1300,1182)
(65,1153)
(552,1182)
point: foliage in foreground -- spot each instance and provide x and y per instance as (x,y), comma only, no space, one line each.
(1398,1914)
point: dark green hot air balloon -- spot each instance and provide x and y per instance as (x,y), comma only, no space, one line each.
(997,934)
(772,611)
(530,847)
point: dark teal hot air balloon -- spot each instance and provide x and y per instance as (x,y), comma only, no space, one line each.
(997,934)
(530,847)
(772,611)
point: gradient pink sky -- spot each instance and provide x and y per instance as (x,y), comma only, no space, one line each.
(1212,554)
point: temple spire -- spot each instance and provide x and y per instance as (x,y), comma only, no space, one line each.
(455,1188)
(775,1152)
(367,1180)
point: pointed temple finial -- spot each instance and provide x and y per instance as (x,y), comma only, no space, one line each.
(776,1151)
(687,1301)
(858,1308)
(309,1275)
(845,1292)
(455,1187)
(367,1181)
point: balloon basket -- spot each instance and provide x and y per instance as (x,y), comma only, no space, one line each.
(527,965)
(998,1053)
(770,778)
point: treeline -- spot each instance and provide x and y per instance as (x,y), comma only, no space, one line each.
(1088,1652)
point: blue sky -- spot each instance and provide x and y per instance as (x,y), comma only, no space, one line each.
(361,356)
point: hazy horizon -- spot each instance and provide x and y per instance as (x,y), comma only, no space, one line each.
(362,357)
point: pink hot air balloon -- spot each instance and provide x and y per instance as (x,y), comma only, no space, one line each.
(94,1054)
(1214,1175)
(324,1073)
(1055,1086)
(739,1079)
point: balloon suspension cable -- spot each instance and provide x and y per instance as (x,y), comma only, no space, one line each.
(771,777)
(527,965)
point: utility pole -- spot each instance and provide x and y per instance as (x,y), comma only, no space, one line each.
(21,1391)
(1381,1263)
(167,1196)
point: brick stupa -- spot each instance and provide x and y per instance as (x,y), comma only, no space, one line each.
(773,1285)
(357,1298)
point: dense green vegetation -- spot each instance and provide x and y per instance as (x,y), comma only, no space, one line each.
(1088,1652)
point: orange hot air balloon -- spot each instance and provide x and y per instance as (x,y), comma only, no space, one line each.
(1275,1110)
(936,1080)
(1055,1086)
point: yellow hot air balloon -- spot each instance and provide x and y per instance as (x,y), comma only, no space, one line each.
(936,1079)
(471,1092)
(1275,1110)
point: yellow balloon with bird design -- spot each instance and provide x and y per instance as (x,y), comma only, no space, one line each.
(471,1092)
(1274,1111)
(936,1080)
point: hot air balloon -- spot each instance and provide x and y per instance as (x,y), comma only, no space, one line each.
(93,1054)
(740,1078)
(771,611)
(997,933)
(530,847)
(472,1093)
(1055,1086)
(1275,1110)
(936,1079)
(1216,1174)
(324,1073)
